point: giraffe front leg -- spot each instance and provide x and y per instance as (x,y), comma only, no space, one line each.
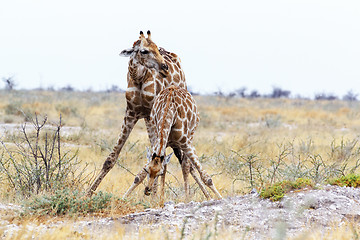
(138,179)
(128,125)
(205,177)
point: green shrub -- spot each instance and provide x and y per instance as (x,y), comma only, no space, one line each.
(351,180)
(277,191)
(66,201)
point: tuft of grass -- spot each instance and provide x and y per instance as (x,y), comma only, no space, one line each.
(277,191)
(347,230)
(350,180)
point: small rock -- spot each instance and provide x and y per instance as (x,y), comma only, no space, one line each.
(254,191)
(169,203)
(217,209)
(332,207)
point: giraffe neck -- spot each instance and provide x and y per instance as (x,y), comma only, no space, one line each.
(166,117)
(137,71)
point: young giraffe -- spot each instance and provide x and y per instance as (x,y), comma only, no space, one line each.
(174,118)
(150,71)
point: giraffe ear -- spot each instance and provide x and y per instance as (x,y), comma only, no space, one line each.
(127,52)
(167,159)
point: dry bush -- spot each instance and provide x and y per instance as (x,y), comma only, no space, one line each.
(35,162)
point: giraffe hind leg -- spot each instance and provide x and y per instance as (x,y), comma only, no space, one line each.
(190,168)
(199,182)
(205,177)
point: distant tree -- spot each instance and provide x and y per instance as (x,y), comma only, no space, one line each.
(325,96)
(241,92)
(9,83)
(114,88)
(50,88)
(219,93)
(350,96)
(254,94)
(67,88)
(231,95)
(279,93)
(39,89)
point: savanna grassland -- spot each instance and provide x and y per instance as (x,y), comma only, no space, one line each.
(243,143)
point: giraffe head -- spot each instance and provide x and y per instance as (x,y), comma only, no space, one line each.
(155,168)
(146,53)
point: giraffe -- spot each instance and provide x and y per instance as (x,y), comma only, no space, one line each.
(150,70)
(174,118)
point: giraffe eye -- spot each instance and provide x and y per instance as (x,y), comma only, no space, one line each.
(144,51)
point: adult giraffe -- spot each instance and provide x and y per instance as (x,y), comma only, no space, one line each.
(151,69)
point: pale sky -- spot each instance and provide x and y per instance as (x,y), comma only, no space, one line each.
(307,46)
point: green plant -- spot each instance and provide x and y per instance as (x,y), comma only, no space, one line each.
(351,180)
(277,191)
(66,201)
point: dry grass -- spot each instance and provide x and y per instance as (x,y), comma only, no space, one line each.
(341,231)
(228,126)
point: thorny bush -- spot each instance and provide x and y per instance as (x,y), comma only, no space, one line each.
(36,162)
